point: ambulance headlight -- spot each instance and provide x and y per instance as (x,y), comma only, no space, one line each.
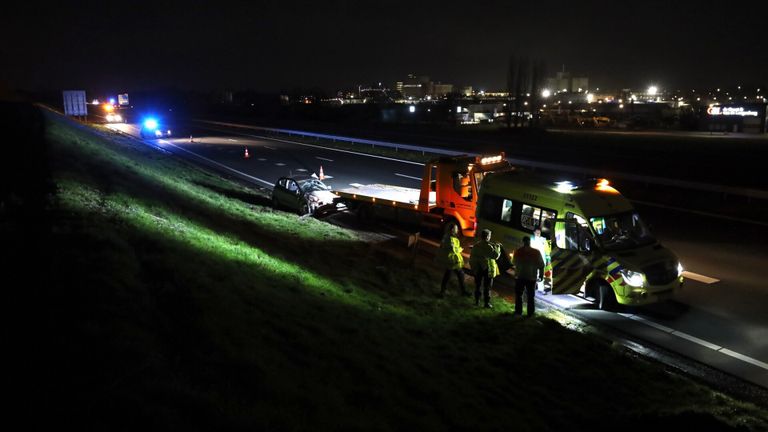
(679,269)
(635,279)
(158,133)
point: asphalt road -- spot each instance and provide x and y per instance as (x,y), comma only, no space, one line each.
(723,324)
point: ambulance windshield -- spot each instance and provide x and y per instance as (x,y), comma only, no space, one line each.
(621,231)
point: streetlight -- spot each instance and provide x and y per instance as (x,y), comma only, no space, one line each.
(546,93)
(652,90)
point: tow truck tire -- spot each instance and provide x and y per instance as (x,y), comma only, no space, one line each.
(275,203)
(448,226)
(606,299)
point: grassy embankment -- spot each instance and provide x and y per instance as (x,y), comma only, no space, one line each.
(182,301)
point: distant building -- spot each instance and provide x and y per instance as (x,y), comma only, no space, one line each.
(415,87)
(565,82)
(441,90)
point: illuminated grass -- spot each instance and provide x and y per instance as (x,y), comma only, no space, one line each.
(160,223)
(181,302)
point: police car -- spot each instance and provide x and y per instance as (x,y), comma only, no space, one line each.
(154,128)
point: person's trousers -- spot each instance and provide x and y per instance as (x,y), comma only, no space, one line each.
(459,274)
(485,282)
(524,285)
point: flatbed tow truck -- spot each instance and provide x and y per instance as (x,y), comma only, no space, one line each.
(448,195)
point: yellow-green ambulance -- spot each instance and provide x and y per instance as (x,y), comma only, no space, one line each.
(597,242)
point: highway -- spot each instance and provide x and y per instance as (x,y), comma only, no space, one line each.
(720,318)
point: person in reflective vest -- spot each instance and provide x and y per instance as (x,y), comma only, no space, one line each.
(483,262)
(529,267)
(541,244)
(449,257)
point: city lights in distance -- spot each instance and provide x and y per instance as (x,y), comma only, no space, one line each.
(652,90)
(546,93)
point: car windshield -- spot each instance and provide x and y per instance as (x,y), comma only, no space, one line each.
(312,185)
(621,231)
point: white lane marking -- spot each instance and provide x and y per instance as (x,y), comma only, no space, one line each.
(357,185)
(270,184)
(407,176)
(657,326)
(280,164)
(261,159)
(701,213)
(271,148)
(744,358)
(322,158)
(699,278)
(301,170)
(699,341)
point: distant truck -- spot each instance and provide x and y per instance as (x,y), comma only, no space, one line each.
(448,195)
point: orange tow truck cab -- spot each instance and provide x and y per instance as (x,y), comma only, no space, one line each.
(450,188)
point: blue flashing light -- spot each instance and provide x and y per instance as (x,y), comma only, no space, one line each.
(111,101)
(150,124)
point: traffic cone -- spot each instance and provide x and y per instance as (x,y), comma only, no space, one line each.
(322,176)
(246,155)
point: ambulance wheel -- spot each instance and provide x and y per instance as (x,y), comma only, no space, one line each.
(606,299)
(448,226)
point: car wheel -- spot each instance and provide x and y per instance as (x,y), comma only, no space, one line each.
(304,209)
(606,299)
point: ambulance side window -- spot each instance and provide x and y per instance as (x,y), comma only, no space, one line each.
(490,208)
(529,217)
(577,234)
(534,217)
(506,211)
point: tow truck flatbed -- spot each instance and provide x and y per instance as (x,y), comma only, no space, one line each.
(382,194)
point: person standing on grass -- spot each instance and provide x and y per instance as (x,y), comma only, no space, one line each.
(449,256)
(529,267)
(483,262)
(542,245)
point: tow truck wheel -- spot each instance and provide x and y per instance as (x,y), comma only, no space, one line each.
(606,299)
(275,203)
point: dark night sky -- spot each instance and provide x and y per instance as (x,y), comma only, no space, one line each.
(269,45)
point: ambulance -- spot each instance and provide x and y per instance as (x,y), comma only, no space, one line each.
(597,244)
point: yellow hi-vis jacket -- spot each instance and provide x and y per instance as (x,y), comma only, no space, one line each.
(449,254)
(483,258)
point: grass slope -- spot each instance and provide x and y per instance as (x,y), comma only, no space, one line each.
(179,300)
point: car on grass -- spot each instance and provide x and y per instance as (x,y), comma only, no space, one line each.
(303,194)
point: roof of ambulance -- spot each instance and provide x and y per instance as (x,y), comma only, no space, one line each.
(585,196)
